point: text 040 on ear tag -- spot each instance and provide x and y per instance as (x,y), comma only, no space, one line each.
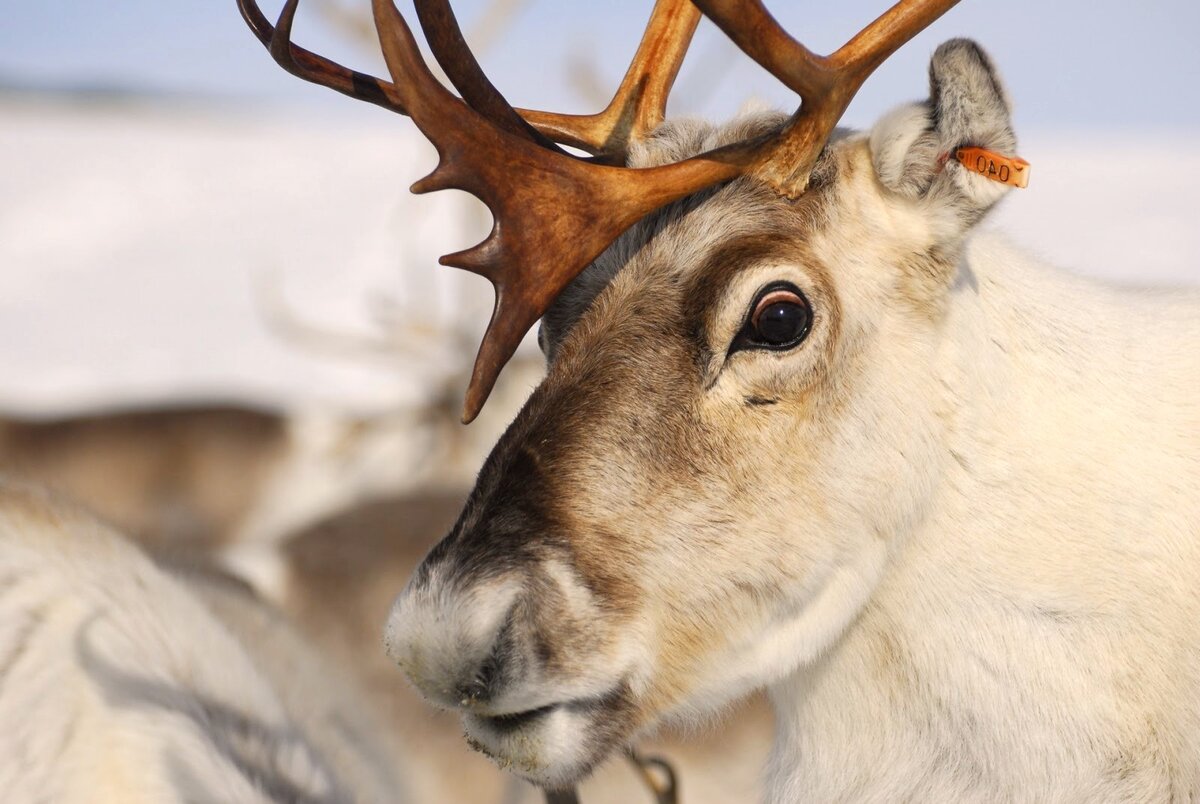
(1011,170)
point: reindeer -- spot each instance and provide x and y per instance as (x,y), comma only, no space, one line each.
(803,430)
(175,478)
(188,480)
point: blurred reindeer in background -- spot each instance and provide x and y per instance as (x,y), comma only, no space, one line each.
(199,475)
(201,480)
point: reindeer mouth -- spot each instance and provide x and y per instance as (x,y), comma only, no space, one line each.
(516,741)
(552,745)
(509,723)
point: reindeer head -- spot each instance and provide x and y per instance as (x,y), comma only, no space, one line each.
(737,427)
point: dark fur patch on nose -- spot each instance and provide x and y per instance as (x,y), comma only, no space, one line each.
(507,524)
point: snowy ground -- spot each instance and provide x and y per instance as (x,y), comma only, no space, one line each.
(132,238)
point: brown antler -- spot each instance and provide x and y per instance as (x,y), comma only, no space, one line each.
(458,62)
(555,213)
(550,222)
(826,84)
(638,106)
(640,102)
(311,67)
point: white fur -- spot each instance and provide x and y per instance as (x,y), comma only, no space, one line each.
(1045,608)
(119,684)
(553,753)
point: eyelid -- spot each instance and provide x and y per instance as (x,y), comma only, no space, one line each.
(774,296)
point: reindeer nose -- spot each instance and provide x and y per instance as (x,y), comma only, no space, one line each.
(452,644)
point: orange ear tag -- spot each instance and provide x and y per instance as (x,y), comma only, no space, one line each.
(1011,170)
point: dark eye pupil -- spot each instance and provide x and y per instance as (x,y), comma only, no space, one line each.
(781,323)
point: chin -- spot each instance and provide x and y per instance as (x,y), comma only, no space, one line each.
(553,747)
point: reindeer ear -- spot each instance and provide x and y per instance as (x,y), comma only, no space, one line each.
(913,146)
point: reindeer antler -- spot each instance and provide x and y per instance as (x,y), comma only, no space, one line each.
(555,213)
(640,102)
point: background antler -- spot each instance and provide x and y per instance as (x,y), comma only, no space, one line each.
(554,213)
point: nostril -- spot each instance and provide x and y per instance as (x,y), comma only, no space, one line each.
(480,686)
(455,642)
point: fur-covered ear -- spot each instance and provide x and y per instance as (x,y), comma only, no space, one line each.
(913,146)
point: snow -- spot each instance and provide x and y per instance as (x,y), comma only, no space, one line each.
(133,235)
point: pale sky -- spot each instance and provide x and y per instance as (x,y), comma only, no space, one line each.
(1069,63)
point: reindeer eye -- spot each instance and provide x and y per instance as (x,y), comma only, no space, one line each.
(780,319)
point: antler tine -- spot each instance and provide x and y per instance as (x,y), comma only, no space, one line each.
(826,84)
(886,34)
(450,48)
(752,28)
(311,67)
(640,102)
